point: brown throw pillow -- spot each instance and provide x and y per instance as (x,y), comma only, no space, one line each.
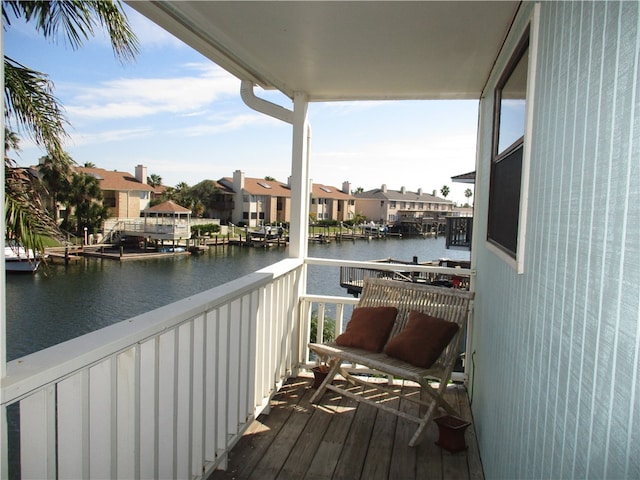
(368,328)
(422,340)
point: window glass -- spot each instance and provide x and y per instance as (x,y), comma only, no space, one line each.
(512,106)
(506,165)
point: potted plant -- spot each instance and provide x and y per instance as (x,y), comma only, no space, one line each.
(451,430)
(319,374)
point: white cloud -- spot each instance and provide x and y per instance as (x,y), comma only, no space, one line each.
(79,139)
(219,125)
(141,97)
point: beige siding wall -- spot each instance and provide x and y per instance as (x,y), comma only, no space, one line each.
(370,209)
(127,204)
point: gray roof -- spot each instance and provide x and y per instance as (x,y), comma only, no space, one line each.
(465,178)
(401,195)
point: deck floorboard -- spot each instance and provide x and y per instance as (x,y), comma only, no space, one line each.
(342,439)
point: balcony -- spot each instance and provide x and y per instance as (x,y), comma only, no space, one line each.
(169,393)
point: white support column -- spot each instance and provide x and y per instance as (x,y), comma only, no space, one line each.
(299,178)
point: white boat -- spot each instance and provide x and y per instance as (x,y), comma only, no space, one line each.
(17,259)
(172,249)
(374,228)
(268,232)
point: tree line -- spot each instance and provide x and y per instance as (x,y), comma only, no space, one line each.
(201,199)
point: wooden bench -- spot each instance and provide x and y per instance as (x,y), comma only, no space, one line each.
(449,304)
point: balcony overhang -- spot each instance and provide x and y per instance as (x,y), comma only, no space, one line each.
(346,50)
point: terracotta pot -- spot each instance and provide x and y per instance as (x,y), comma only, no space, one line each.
(318,377)
(451,431)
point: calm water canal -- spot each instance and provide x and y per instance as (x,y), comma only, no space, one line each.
(61,302)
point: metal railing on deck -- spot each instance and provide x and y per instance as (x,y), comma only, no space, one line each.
(459,232)
(162,395)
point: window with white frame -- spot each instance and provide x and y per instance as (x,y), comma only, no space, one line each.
(507,152)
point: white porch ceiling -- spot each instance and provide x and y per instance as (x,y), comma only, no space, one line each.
(346,50)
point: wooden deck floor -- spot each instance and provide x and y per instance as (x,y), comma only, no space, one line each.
(345,440)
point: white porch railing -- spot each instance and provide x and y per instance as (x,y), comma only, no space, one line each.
(153,227)
(168,393)
(162,395)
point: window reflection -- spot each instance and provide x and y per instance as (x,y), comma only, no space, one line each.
(512,106)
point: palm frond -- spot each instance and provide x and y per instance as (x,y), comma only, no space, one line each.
(76,20)
(31,105)
(25,218)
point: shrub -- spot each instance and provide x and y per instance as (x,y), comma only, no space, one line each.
(329,332)
(204,229)
(327,223)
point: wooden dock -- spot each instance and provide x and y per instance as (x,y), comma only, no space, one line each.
(345,440)
(66,255)
(125,256)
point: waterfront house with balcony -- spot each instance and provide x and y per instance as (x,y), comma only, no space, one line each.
(412,212)
(554,345)
(332,203)
(257,201)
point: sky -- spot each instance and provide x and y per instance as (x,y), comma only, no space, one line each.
(181,116)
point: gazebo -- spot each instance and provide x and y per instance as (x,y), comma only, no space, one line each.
(167,221)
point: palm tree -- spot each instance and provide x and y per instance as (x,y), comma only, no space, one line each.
(55,174)
(154,180)
(359,218)
(182,195)
(444,191)
(30,106)
(206,193)
(467,194)
(84,191)
(23,211)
